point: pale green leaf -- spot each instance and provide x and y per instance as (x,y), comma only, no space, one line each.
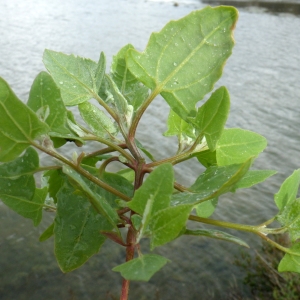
(291,262)
(167,224)
(217,234)
(212,116)
(97,120)
(253,177)
(19,125)
(129,86)
(206,208)
(184,60)
(289,217)
(99,203)
(79,79)
(237,145)
(141,268)
(288,190)
(77,229)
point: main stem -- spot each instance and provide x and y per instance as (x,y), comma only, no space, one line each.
(131,234)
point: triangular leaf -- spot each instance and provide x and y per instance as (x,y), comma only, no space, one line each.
(237,145)
(78,78)
(184,60)
(290,262)
(288,190)
(19,125)
(77,229)
(47,233)
(141,268)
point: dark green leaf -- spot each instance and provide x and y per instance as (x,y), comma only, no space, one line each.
(167,224)
(212,116)
(79,79)
(19,125)
(99,203)
(291,262)
(184,60)
(237,145)
(141,268)
(47,233)
(217,234)
(207,158)
(55,180)
(77,229)
(288,190)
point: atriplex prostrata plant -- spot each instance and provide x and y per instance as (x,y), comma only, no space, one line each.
(181,63)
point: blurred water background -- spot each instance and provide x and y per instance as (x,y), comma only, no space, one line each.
(263,79)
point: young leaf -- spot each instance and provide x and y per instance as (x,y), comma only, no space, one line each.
(47,233)
(290,262)
(212,116)
(289,217)
(55,180)
(217,234)
(253,177)
(19,125)
(212,183)
(185,132)
(97,120)
(184,60)
(129,86)
(206,208)
(79,79)
(207,158)
(99,203)
(44,92)
(141,268)
(237,145)
(288,190)
(167,224)
(77,229)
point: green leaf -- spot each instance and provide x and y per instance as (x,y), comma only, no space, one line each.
(54,180)
(290,262)
(237,145)
(47,233)
(154,195)
(253,177)
(217,234)
(207,158)
(167,224)
(17,186)
(25,165)
(124,110)
(141,147)
(19,125)
(128,174)
(77,229)
(288,190)
(141,268)
(289,217)
(212,116)
(157,189)
(129,86)
(184,131)
(45,93)
(212,183)
(99,203)
(97,120)
(184,60)
(206,208)
(79,79)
